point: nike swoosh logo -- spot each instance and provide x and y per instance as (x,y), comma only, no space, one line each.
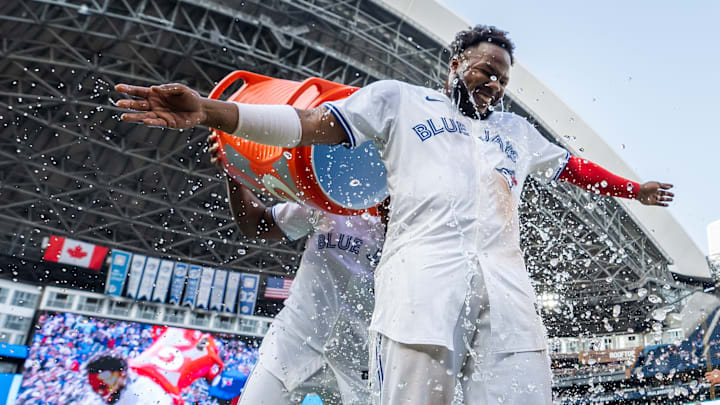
(432,99)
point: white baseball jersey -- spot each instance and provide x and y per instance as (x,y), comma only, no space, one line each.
(326,316)
(455,187)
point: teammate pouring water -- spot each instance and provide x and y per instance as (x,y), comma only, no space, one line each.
(318,343)
(453,297)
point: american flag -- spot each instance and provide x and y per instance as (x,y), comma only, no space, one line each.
(278,287)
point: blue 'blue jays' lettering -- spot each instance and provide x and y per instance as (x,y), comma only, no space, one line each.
(447,126)
(375,257)
(496,139)
(422,131)
(346,245)
(433,128)
(462,128)
(510,152)
(342,242)
(430,128)
(485,136)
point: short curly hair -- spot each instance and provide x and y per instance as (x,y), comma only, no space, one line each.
(481,33)
(106,362)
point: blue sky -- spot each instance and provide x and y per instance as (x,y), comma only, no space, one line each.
(642,74)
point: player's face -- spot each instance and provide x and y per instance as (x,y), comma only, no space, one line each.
(483,72)
(108,384)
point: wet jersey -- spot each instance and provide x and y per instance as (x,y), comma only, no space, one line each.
(455,187)
(326,316)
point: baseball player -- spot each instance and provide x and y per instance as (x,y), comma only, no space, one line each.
(113,383)
(453,297)
(318,343)
(159,374)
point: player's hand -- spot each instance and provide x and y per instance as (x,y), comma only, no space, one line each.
(214,150)
(713,377)
(655,193)
(168,105)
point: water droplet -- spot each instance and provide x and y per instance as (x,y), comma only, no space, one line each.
(493,78)
(354,183)
(654,299)
(287,155)
(659,315)
(641,292)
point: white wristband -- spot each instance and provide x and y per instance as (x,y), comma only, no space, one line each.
(276,125)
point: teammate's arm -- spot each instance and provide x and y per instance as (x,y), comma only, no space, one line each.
(179,107)
(250,214)
(590,176)
(713,377)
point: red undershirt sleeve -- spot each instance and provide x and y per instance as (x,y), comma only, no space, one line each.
(590,176)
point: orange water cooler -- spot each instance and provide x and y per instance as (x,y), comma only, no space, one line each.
(332,178)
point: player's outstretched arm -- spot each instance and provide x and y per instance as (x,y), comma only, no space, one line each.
(178,106)
(592,177)
(250,214)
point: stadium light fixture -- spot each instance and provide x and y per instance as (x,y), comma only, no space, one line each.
(549,300)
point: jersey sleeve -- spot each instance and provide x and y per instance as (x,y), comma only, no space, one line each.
(369,113)
(547,160)
(294,220)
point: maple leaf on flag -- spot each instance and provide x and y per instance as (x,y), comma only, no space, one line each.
(77,252)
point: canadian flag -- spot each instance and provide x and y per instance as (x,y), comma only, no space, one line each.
(74,252)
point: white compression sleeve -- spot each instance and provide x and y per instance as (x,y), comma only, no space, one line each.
(276,125)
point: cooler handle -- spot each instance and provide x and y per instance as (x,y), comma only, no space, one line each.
(249,78)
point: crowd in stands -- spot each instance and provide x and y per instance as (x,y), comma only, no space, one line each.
(54,371)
